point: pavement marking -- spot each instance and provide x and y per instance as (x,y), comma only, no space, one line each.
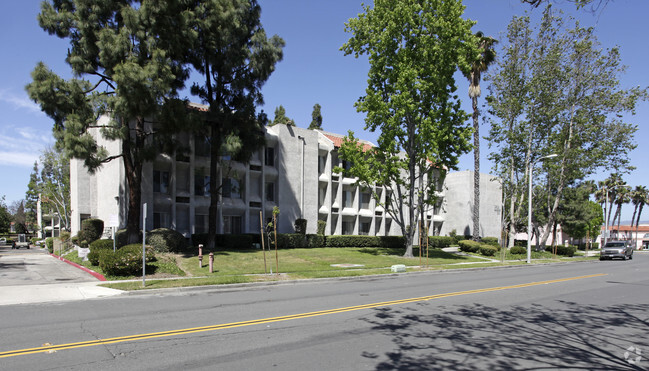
(53,348)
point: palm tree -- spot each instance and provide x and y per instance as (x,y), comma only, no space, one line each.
(480,64)
(622,197)
(640,197)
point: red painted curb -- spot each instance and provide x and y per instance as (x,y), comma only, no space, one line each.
(95,274)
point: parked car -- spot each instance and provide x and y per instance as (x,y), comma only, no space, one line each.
(616,249)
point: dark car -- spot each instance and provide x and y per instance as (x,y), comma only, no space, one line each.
(616,249)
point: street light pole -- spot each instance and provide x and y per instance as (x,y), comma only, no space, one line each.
(529,207)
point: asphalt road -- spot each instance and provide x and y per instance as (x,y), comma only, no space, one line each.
(568,316)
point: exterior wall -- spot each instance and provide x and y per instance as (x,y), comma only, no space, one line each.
(303,185)
(458,204)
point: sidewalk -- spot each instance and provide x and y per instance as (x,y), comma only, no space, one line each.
(55,292)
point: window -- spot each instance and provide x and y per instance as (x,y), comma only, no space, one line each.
(202,146)
(322,161)
(270,191)
(201,223)
(160,220)
(365,228)
(232,224)
(322,191)
(231,188)
(348,228)
(347,165)
(269,159)
(201,185)
(160,181)
(365,200)
(348,198)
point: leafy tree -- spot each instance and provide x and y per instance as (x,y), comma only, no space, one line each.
(316,118)
(595,4)
(5,216)
(55,185)
(572,99)
(414,49)
(281,118)
(578,215)
(125,56)
(485,58)
(31,199)
(231,51)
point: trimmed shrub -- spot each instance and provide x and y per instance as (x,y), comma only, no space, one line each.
(300,226)
(166,240)
(488,250)
(49,242)
(562,250)
(91,230)
(518,250)
(74,240)
(291,241)
(439,242)
(64,236)
(392,242)
(522,243)
(353,241)
(98,249)
(469,245)
(322,225)
(227,241)
(127,261)
(315,240)
(493,241)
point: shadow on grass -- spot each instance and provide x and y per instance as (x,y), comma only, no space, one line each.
(531,337)
(432,253)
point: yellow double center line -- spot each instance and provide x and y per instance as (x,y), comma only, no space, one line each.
(51,348)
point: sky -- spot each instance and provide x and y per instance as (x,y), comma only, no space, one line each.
(313,70)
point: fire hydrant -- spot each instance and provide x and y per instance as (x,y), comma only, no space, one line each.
(211,262)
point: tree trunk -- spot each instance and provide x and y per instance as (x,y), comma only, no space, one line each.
(133,172)
(476,172)
(214,187)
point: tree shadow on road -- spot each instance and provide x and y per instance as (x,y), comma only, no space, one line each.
(534,337)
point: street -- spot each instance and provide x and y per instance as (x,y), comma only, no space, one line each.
(589,315)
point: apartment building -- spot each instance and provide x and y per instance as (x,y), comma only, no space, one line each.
(294,172)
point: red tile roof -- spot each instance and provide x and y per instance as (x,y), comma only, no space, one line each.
(338,141)
(627,228)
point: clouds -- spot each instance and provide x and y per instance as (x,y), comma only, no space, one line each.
(19,102)
(25,131)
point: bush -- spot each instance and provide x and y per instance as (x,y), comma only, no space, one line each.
(166,240)
(522,243)
(469,245)
(300,226)
(493,241)
(291,241)
(33,240)
(227,241)
(439,242)
(91,230)
(353,241)
(98,248)
(49,242)
(562,250)
(74,240)
(127,261)
(64,236)
(488,250)
(518,250)
(322,225)
(315,240)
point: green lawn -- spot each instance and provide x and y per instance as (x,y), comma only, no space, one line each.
(248,266)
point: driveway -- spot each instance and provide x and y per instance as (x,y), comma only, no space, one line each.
(32,276)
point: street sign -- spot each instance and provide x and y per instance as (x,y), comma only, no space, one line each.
(113,220)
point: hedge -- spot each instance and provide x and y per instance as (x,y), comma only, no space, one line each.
(166,240)
(563,250)
(488,250)
(365,241)
(127,261)
(518,250)
(227,241)
(300,226)
(315,240)
(469,245)
(290,241)
(493,241)
(439,242)
(49,242)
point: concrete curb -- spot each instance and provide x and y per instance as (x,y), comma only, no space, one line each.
(90,271)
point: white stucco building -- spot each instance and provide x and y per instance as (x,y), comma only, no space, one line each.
(294,172)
